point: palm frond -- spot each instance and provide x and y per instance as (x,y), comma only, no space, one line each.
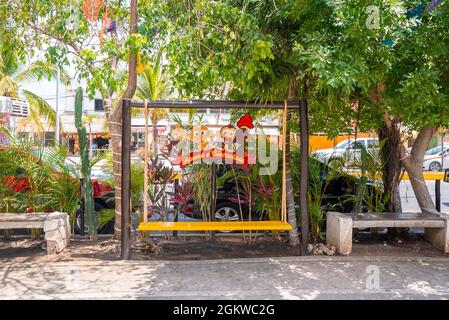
(104,216)
(40,107)
(8,87)
(55,157)
(105,124)
(153,84)
(153,81)
(97,158)
(35,71)
(33,119)
(7,132)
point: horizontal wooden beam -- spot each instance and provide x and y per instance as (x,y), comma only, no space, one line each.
(214,104)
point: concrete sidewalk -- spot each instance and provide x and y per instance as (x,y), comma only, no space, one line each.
(263,278)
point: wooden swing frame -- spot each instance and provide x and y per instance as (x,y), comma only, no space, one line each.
(127,105)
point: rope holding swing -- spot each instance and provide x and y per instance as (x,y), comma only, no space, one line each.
(145,167)
(284,165)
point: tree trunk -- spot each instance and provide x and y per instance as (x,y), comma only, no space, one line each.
(413,165)
(115,125)
(115,129)
(291,212)
(420,189)
(390,140)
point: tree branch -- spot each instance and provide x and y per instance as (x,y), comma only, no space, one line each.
(132,62)
(390,123)
(51,35)
(422,142)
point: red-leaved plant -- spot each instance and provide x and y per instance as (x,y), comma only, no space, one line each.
(182,196)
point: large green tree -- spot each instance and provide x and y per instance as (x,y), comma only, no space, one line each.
(395,80)
(101,42)
(371,64)
(416,95)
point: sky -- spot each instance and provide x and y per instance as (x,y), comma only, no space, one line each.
(46,89)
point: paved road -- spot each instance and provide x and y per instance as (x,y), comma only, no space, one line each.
(409,203)
(279,278)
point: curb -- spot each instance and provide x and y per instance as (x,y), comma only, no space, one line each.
(152,263)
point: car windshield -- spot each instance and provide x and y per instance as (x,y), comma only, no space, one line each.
(342,144)
(433,151)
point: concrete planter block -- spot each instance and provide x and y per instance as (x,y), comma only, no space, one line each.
(55,246)
(340,225)
(439,237)
(50,225)
(339,232)
(55,225)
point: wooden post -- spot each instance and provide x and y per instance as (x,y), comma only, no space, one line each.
(442,152)
(304,145)
(284,166)
(126,179)
(213,185)
(145,168)
(438,195)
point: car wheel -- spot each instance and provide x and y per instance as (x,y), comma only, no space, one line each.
(106,229)
(435,167)
(227,211)
(78,223)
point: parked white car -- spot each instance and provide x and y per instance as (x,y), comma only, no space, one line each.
(433,159)
(347,149)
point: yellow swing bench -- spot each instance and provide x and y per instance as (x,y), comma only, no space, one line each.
(281,225)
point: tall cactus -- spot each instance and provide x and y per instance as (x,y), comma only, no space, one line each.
(89,208)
